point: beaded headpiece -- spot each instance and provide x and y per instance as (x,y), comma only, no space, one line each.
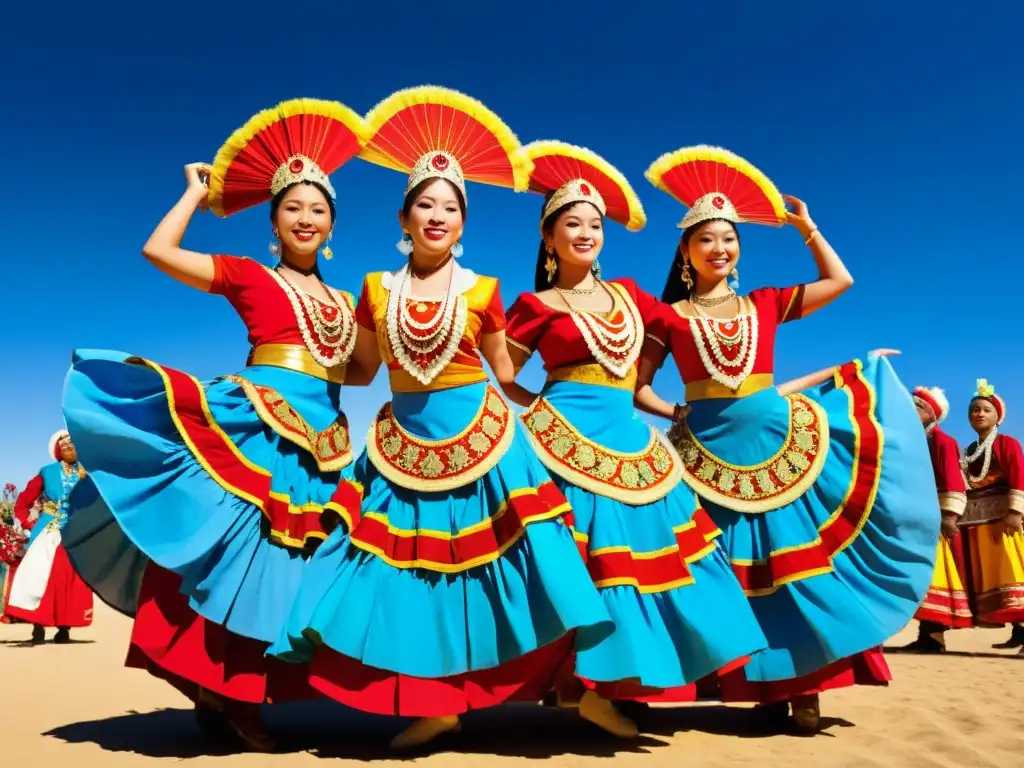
(298,140)
(431,132)
(986,391)
(578,175)
(934,399)
(714,183)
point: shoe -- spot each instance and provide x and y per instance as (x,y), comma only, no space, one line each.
(425,730)
(1016,639)
(63,636)
(38,635)
(807,713)
(245,721)
(925,644)
(603,714)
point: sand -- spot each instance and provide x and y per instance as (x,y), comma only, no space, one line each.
(76,705)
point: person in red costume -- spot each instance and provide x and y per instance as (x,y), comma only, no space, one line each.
(45,591)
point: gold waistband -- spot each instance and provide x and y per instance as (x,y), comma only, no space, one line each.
(593,373)
(709,389)
(295,357)
(454,375)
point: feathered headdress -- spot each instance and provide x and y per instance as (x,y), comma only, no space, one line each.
(432,132)
(576,174)
(986,391)
(298,140)
(56,439)
(934,399)
(714,183)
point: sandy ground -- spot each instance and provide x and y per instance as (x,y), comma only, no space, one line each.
(76,705)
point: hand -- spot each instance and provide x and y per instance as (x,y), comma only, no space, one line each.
(195,185)
(950,525)
(884,353)
(81,472)
(1014,522)
(799,217)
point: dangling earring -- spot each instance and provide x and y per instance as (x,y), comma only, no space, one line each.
(595,270)
(457,250)
(404,245)
(275,245)
(328,253)
(551,265)
(686,275)
(734,279)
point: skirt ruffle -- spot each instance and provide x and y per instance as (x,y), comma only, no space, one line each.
(189,476)
(465,593)
(844,565)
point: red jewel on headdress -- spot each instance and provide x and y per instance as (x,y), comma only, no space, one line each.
(718,202)
(585,190)
(440,162)
(296,166)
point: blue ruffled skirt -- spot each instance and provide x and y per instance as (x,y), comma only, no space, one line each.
(679,612)
(189,476)
(828,507)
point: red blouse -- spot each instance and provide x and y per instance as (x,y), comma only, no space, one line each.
(669,332)
(259,300)
(1006,468)
(949,480)
(534,326)
(23,504)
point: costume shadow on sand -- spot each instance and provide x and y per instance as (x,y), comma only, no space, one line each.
(328,730)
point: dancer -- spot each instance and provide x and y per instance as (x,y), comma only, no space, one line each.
(45,591)
(457,586)
(946,604)
(991,523)
(679,612)
(216,483)
(825,497)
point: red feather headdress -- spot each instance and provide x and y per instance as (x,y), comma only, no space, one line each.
(576,174)
(53,447)
(298,140)
(432,132)
(934,399)
(716,184)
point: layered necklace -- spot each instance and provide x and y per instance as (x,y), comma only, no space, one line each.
(984,448)
(615,344)
(425,342)
(727,348)
(328,330)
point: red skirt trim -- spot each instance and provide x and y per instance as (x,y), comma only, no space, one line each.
(67,601)
(378,691)
(176,644)
(868,668)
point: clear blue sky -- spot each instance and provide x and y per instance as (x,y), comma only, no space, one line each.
(900,128)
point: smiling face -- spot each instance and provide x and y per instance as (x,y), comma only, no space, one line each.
(302,220)
(67,451)
(983,415)
(713,249)
(433,217)
(576,235)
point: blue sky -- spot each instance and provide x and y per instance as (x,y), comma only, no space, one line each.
(900,128)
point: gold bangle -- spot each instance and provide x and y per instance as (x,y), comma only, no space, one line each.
(814,234)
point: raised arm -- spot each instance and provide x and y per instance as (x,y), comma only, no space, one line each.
(163,248)
(834,278)
(818,377)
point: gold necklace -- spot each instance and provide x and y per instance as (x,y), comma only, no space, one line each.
(713,302)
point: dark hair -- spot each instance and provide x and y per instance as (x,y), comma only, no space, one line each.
(675,289)
(416,191)
(540,274)
(275,203)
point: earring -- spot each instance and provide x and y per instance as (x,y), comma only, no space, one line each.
(686,275)
(328,253)
(404,245)
(275,245)
(734,279)
(551,265)
(595,270)
(457,250)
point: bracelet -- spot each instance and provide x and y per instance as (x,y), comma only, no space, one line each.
(814,234)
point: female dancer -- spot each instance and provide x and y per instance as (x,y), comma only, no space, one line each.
(679,612)
(991,523)
(45,591)
(215,482)
(819,494)
(946,604)
(452,589)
